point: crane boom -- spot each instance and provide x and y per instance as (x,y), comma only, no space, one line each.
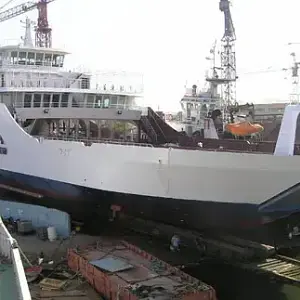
(17,10)
(43,32)
(229,31)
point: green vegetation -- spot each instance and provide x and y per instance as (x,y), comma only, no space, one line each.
(121,127)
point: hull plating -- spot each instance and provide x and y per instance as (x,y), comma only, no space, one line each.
(82,202)
(199,189)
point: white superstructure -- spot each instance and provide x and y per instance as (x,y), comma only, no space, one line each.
(35,85)
(197,105)
(53,146)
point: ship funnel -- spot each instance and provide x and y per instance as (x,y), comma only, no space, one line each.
(194,90)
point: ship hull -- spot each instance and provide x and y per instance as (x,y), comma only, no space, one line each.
(191,188)
(81,203)
(84,203)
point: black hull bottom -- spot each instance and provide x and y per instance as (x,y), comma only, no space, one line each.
(82,203)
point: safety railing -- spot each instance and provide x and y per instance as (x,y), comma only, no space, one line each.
(81,104)
(89,142)
(69,83)
(149,129)
(9,249)
(118,106)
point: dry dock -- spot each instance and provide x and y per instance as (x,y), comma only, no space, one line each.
(119,270)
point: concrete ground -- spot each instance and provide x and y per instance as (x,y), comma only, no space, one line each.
(31,246)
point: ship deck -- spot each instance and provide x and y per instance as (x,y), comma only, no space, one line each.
(8,285)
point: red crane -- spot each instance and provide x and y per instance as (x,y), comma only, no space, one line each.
(43,36)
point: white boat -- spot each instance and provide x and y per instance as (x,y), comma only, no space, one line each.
(198,187)
(73,168)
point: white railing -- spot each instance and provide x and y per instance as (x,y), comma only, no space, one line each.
(89,142)
(84,104)
(20,76)
(69,83)
(9,249)
(42,68)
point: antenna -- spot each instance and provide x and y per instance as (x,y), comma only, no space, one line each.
(294,95)
(27,38)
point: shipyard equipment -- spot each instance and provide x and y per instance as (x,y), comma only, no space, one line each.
(43,37)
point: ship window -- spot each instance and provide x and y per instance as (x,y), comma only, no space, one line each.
(22,58)
(99,101)
(75,102)
(46,100)
(30,58)
(114,100)
(48,58)
(58,60)
(1,57)
(64,100)
(14,57)
(106,102)
(37,99)
(39,59)
(27,100)
(5,57)
(55,100)
(3,150)
(90,101)
(121,100)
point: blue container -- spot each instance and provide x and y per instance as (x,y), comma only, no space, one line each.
(39,216)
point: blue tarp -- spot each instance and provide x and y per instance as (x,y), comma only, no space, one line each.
(39,216)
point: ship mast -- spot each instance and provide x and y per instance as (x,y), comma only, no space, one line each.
(27,37)
(294,95)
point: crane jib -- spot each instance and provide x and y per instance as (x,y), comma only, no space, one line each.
(21,9)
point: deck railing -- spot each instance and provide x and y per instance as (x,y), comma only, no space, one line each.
(89,142)
(106,82)
(82,104)
(45,82)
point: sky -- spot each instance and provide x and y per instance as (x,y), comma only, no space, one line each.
(167,41)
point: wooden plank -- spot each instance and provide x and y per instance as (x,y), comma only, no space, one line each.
(54,294)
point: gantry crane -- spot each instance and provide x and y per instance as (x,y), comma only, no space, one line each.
(43,35)
(294,96)
(227,78)
(228,60)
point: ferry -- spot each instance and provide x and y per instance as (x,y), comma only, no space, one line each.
(62,147)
